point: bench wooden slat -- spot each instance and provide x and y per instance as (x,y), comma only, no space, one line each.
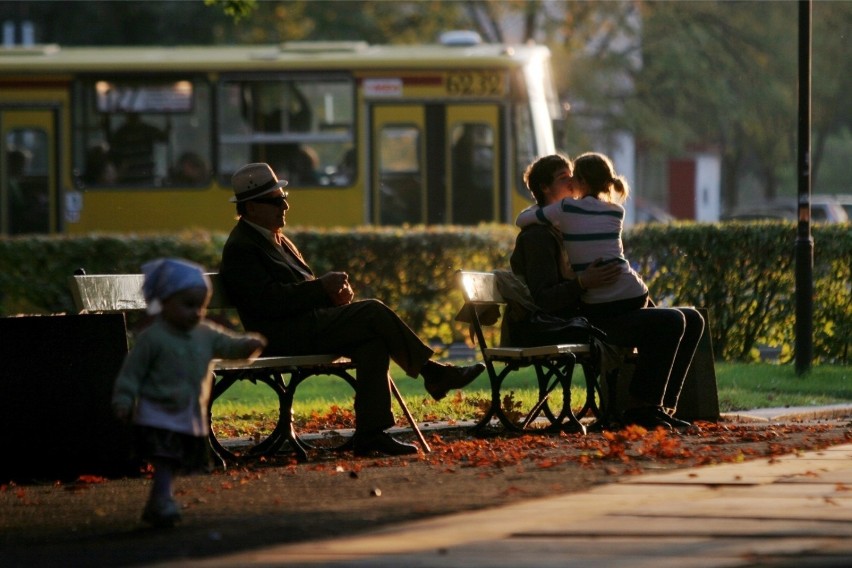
(480,287)
(123,292)
(108,292)
(302,361)
(538,351)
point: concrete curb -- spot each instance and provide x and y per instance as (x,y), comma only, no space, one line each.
(791,414)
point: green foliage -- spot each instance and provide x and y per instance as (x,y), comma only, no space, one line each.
(743,273)
(34,271)
(236,9)
(411,269)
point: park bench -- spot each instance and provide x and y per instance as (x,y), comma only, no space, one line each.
(554,364)
(122,293)
(606,389)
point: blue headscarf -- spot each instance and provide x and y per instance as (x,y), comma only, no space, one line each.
(167,276)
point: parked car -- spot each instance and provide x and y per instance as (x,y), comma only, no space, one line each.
(646,212)
(824,209)
(845,201)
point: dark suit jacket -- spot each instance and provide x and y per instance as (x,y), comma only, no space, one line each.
(536,259)
(272,295)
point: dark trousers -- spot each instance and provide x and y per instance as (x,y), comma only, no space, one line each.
(371,334)
(665,339)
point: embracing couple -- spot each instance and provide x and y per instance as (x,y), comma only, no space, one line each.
(570,254)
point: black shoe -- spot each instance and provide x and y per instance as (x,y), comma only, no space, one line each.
(440,378)
(678,424)
(648,417)
(381,442)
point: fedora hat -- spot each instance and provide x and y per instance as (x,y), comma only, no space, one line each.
(254,180)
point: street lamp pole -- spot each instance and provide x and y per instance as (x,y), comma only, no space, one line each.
(804,240)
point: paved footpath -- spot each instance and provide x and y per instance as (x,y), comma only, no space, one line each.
(792,511)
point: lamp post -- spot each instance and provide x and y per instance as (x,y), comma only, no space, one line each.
(804,240)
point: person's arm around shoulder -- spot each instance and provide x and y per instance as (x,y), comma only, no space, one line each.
(532,215)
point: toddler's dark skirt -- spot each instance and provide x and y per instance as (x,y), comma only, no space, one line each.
(191,453)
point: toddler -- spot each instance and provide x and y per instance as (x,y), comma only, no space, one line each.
(591,224)
(165,382)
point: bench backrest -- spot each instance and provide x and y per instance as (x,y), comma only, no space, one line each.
(479,287)
(123,293)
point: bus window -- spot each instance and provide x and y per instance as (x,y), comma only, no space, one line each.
(400,176)
(302,127)
(141,132)
(473,170)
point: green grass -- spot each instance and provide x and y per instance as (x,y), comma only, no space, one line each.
(764,385)
(740,386)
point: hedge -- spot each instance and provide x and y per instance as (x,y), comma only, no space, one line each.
(743,273)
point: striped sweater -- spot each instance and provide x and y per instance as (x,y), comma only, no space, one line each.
(591,229)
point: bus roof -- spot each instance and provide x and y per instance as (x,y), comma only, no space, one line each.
(290,56)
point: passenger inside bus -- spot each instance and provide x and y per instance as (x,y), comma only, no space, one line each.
(190,169)
(99,169)
(16,163)
(297,163)
(27,201)
(473,174)
(133,147)
(344,173)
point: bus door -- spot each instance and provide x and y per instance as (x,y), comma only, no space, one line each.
(435,164)
(29,200)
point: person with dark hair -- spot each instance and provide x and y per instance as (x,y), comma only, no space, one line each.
(277,294)
(190,169)
(665,338)
(100,169)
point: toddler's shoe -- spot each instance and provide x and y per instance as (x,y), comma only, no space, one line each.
(161,513)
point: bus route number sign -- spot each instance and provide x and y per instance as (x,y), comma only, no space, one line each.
(475,83)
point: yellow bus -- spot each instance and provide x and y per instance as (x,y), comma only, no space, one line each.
(146,139)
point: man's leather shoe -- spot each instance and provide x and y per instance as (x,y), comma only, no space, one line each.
(381,442)
(678,424)
(440,378)
(648,417)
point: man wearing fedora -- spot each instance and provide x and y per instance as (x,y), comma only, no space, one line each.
(278,295)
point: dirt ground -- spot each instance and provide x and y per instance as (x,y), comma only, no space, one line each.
(95,521)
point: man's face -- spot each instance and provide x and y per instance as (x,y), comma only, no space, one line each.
(269,210)
(561,187)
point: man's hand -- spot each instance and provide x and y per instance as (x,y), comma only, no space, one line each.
(599,274)
(336,285)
